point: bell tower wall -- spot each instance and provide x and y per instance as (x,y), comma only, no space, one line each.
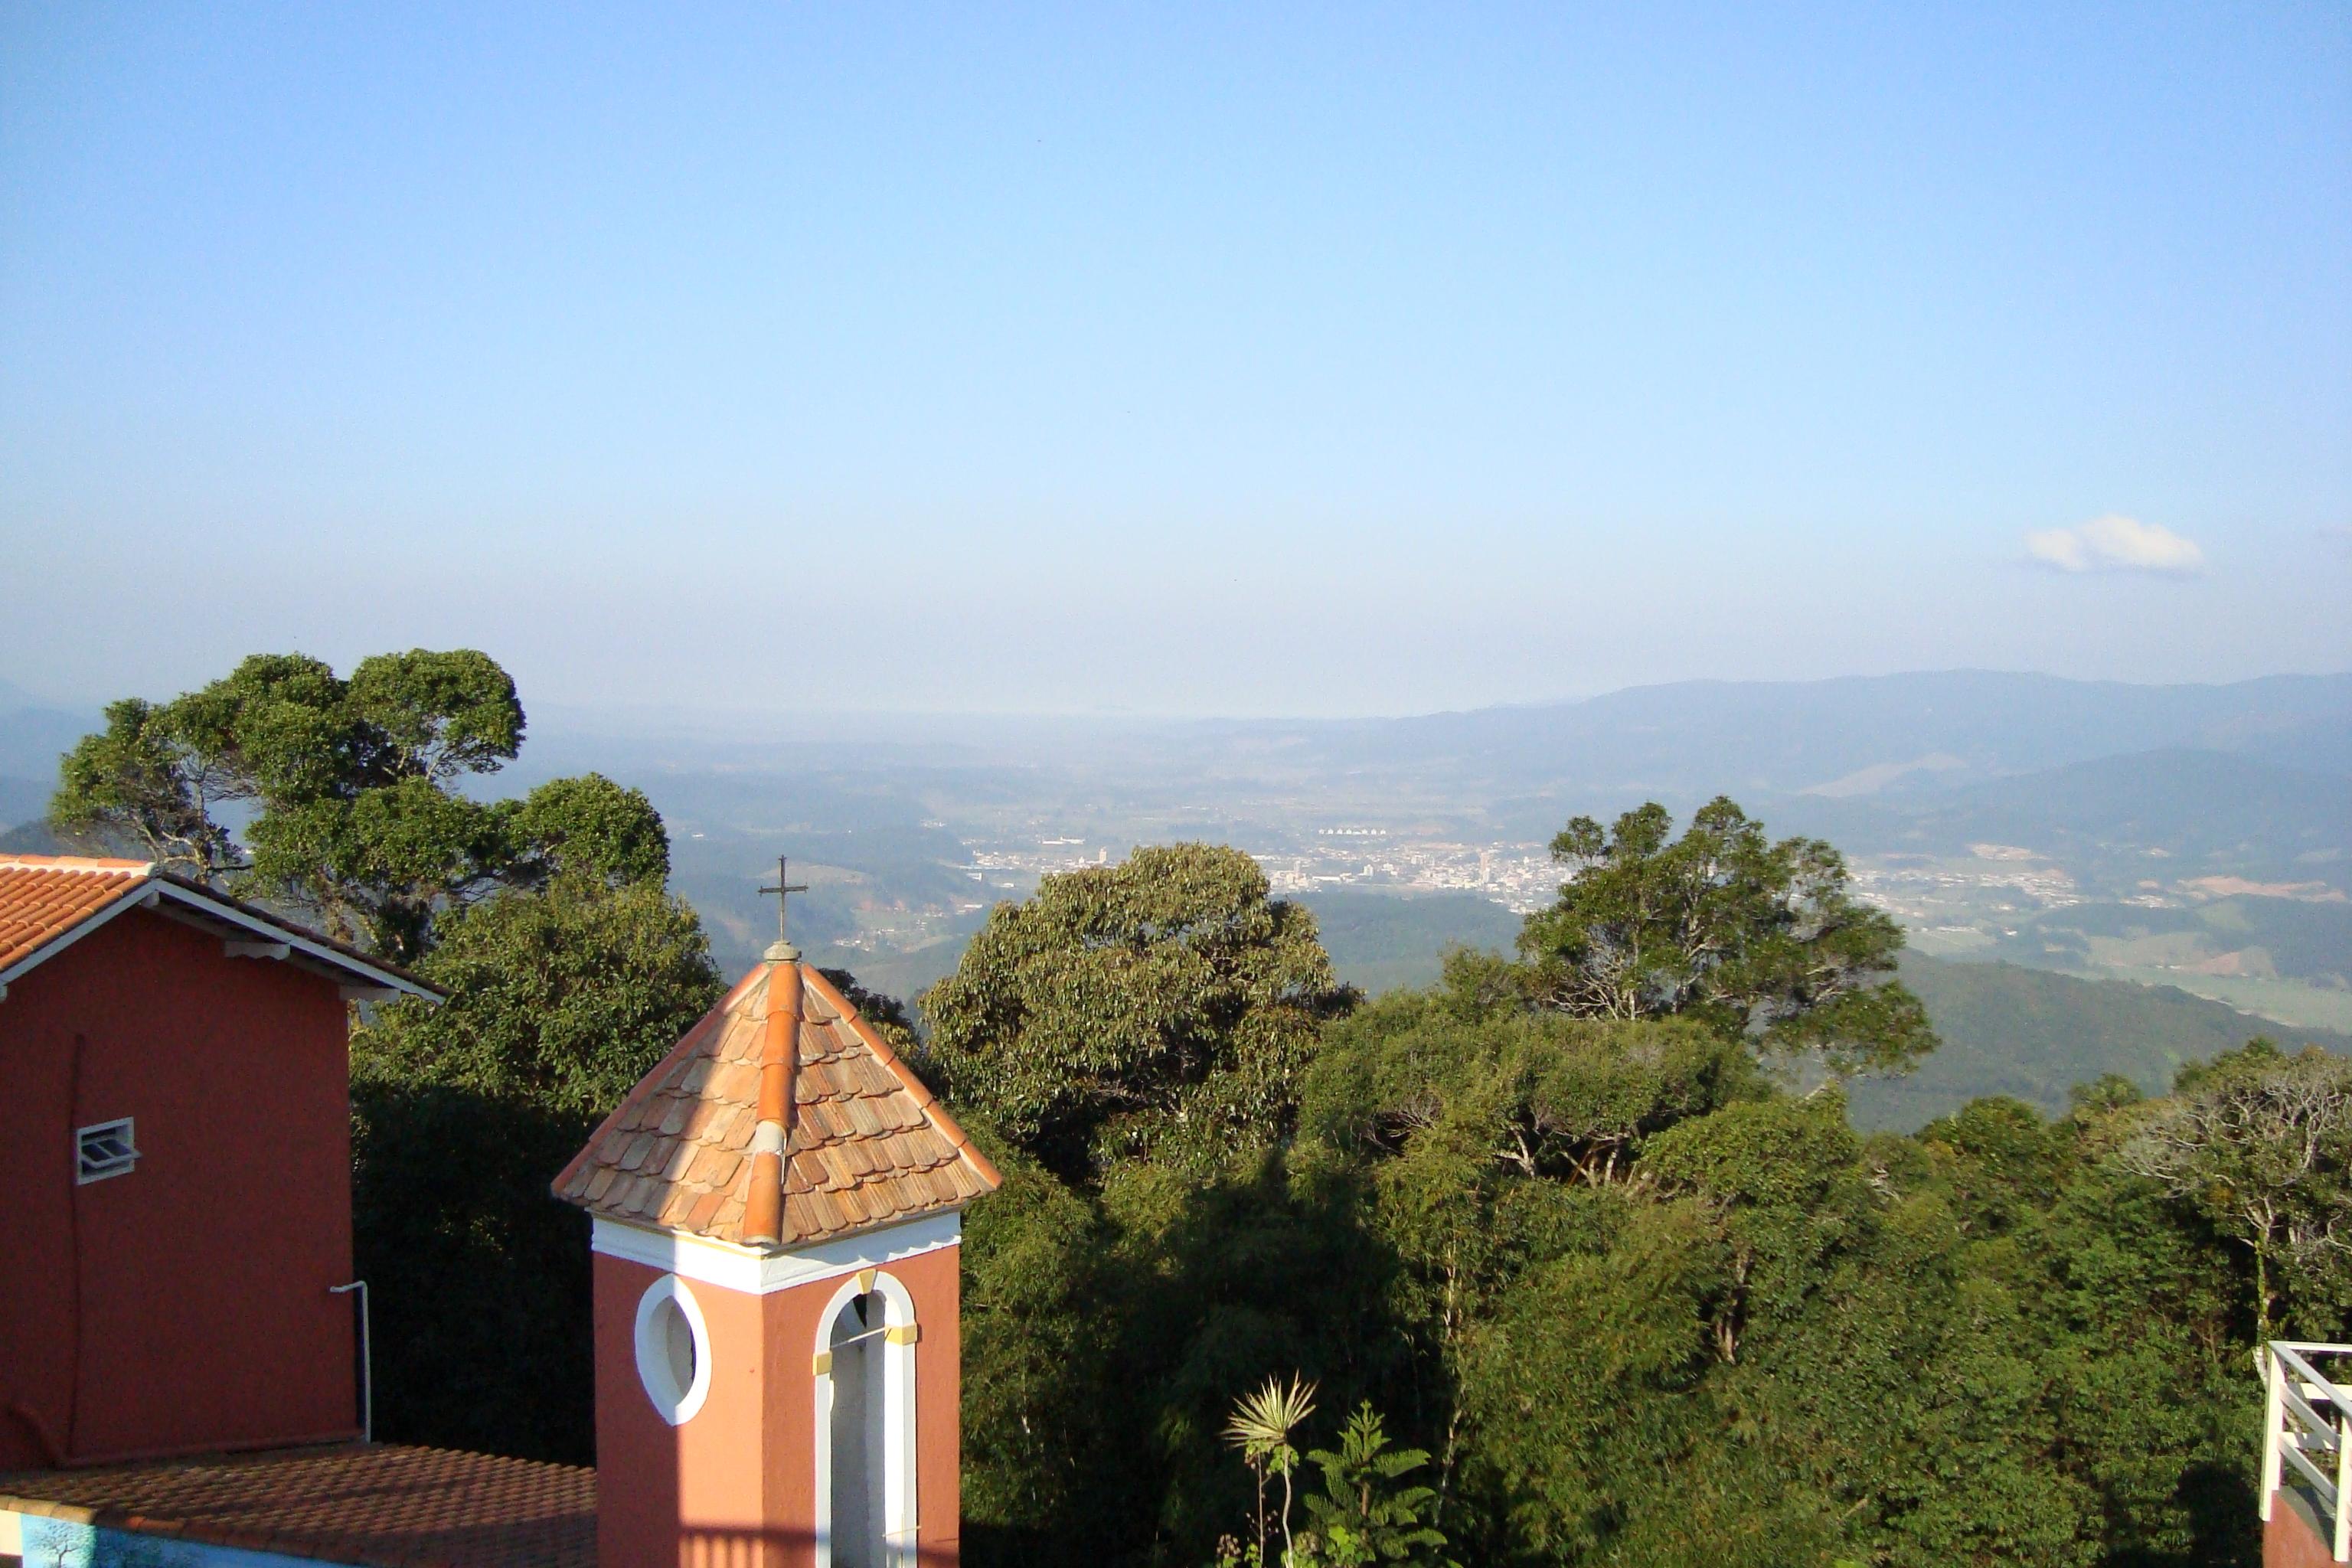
(713,1398)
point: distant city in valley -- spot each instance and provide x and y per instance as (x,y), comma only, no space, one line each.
(1518,875)
(2193,838)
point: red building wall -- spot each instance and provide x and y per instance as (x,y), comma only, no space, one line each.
(184,1305)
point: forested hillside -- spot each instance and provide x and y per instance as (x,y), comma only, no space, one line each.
(1543,1260)
(1379,942)
(2034,1036)
(1630,1303)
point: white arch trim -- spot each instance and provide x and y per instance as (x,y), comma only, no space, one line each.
(899,1516)
(677,1405)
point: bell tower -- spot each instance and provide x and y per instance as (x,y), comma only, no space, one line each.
(777,1209)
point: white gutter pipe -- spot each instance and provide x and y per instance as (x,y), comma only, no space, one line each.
(367,1359)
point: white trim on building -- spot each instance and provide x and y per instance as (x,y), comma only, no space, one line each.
(667,1307)
(758,1273)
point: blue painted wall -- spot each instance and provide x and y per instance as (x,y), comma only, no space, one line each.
(62,1543)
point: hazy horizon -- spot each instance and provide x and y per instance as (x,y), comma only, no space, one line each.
(687,718)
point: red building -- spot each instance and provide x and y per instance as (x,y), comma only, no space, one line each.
(177,1166)
(777,1216)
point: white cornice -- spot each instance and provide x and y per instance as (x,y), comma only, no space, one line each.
(756,1273)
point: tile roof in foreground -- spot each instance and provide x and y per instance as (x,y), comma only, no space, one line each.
(49,902)
(44,896)
(375,1505)
(866,1143)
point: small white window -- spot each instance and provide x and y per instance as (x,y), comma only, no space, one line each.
(673,1350)
(103,1150)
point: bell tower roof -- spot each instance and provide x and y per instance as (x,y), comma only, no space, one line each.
(865,1145)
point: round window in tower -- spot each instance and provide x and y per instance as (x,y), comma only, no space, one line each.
(673,1349)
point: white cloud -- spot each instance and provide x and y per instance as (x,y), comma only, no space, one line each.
(2114,543)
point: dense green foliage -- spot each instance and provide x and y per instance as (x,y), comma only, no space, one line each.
(1163,1004)
(1642,1303)
(1368,1511)
(559,1001)
(1756,940)
(2260,1145)
(350,788)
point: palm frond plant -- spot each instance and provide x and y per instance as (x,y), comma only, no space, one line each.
(1261,1428)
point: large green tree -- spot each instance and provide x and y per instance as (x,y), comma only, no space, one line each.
(1761,941)
(1166,1004)
(348,793)
(559,1000)
(2259,1143)
(569,971)
(1479,1140)
(1664,1313)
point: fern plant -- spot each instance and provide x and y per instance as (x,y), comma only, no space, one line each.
(1365,1518)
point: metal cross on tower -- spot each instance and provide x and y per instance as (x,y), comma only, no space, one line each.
(784,889)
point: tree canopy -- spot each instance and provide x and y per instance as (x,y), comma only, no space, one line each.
(350,793)
(564,998)
(1639,1299)
(1166,1004)
(1554,1223)
(1757,939)
(2259,1143)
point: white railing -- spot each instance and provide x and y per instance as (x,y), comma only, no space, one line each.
(2306,1415)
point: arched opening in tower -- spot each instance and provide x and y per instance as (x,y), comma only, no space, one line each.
(859,1458)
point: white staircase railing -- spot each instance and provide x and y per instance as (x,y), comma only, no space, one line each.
(2307,1415)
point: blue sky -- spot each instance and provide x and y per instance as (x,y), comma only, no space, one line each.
(1190,359)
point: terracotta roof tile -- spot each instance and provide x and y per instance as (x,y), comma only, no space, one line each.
(705,1210)
(868,1144)
(379,1506)
(44,897)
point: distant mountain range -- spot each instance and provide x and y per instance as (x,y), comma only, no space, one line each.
(1859,734)
(2114,821)
(33,736)
(21,799)
(1855,735)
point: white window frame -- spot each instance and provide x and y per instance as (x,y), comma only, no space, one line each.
(675,1405)
(901,1518)
(83,1174)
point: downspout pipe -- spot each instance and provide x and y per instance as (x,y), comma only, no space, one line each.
(763,1204)
(367,1360)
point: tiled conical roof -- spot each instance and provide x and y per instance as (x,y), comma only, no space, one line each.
(867,1145)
